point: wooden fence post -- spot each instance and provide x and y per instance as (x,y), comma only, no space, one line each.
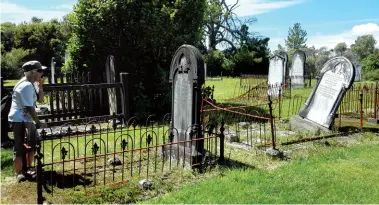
(124,78)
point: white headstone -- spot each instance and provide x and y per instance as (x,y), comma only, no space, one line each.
(52,65)
(111,78)
(276,74)
(358,73)
(297,69)
(336,77)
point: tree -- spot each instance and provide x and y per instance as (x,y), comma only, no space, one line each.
(280,49)
(222,26)
(364,46)
(12,61)
(340,48)
(370,65)
(296,38)
(142,36)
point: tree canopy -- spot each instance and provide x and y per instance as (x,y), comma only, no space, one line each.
(296,38)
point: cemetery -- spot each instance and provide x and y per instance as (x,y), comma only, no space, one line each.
(263,117)
(161,120)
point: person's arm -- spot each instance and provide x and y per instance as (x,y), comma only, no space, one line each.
(26,95)
(33,114)
(40,91)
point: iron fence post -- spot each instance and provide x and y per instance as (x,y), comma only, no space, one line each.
(376,92)
(280,96)
(360,108)
(222,142)
(271,123)
(38,156)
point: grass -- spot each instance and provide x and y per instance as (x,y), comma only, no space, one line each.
(340,175)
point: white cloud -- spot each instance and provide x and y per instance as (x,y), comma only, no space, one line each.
(255,7)
(64,7)
(330,40)
(14,13)
(348,37)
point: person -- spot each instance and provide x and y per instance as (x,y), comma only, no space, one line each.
(22,115)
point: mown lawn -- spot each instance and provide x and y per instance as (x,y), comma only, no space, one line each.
(343,175)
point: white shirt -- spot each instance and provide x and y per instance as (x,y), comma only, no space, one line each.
(24,95)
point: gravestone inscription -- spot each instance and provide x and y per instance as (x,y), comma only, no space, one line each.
(187,78)
(297,70)
(276,74)
(336,77)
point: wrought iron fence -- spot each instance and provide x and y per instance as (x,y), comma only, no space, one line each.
(116,151)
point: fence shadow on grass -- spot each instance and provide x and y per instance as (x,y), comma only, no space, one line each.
(58,180)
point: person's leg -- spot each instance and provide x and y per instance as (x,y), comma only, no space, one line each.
(32,135)
(18,150)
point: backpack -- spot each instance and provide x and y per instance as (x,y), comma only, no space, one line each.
(6,102)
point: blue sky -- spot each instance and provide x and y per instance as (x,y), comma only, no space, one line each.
(327,22)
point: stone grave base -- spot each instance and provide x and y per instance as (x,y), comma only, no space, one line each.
(306,126)
(299,85)
(373,121)
(191,157)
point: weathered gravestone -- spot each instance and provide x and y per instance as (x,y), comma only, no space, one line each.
(297,70)
(358,73)
(319,110)
(111,78)
(276,74)
(187,78)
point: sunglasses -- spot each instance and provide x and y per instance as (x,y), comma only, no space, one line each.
(38,71)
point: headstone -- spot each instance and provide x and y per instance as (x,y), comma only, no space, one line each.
(187,78)
(358,73)
(276,74)
(285,56)
(111,78)
(52,65)
(336,76)
(297,70)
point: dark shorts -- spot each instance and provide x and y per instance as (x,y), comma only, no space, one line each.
(20,130)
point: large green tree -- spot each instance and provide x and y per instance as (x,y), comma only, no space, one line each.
(364,46)
(34,40)
(371,66)
(296,38)
(340,48)
(142,35)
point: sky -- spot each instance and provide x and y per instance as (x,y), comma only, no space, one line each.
(327,22)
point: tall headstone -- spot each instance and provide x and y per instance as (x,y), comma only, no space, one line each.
(187,78)
(297,70)
(276,74)
(111,78)
(336,76)
(52,67)
(358,73)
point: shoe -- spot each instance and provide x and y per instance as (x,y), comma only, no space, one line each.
(32,172)
(20,178)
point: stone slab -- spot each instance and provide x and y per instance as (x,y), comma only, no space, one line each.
(304,125)
(188,155)
(373,121)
